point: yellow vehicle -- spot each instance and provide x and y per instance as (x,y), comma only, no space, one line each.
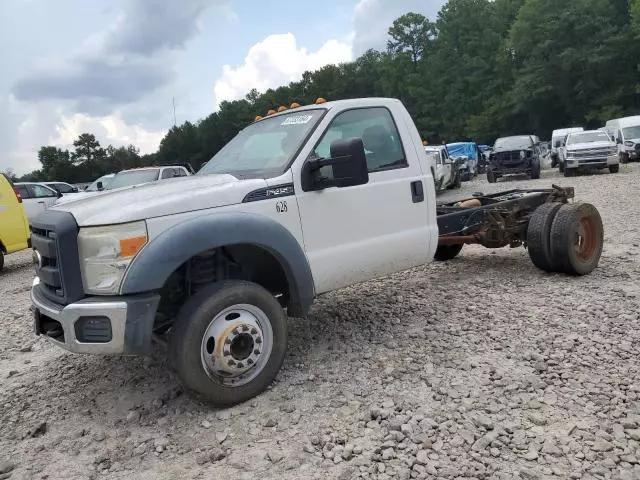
(14,228)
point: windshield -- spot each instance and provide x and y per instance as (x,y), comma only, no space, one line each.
(62,187)
(105,179)
(133,177)
(587,137)
(264,149)
(514,143)
(631,132)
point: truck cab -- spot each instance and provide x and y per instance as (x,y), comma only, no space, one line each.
(299,203)
(558,137)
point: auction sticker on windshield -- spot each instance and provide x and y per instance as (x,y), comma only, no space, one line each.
(297,120)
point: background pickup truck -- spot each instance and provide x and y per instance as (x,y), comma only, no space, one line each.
(298,204)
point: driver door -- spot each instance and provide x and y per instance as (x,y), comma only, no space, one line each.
(357,233)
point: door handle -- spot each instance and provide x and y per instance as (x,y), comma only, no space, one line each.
(417,191)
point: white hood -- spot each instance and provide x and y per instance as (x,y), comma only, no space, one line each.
(590,145)
(71,197)
(168,197)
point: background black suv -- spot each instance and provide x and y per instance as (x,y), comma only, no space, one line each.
(517,155)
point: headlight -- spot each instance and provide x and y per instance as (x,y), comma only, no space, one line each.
(522,154)
(570,154)
(629,143)
(105,254)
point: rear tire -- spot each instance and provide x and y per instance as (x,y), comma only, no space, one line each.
(560,167)
(447,252)
(539,236)
(204,334)
(577,237)
(569,172)
(614,168)
(624,158)
(491,177)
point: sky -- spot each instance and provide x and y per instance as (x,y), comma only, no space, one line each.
(115,68)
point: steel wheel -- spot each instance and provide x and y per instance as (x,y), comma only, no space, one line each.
(236,345)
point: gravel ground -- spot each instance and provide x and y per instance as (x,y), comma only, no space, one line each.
(483,368)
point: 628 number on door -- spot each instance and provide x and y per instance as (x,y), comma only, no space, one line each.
(281,207)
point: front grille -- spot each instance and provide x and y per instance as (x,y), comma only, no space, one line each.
(54,235)
(592,152)
(510,158)
(638,147)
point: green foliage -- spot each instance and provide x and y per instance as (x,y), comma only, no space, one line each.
(483,69)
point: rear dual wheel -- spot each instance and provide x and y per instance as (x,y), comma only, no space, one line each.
(566,238)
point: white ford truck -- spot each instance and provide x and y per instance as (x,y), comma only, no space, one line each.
(299,203)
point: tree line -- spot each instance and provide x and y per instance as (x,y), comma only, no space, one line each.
(480,70)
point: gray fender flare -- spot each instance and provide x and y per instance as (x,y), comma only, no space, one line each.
(165,253)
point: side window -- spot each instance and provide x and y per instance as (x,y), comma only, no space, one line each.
(42,192)
(182,172)
(439,158)
(375,126)
(23,191)
(167,173)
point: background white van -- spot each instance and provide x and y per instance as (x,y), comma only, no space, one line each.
(626,133)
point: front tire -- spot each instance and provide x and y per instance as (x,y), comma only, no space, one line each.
(535,171)
(1,260)
(561,167)
(229,342)
(614,168)
(491,177)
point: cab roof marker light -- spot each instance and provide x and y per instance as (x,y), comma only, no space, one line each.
(282,108)
(295,105)
(320,100)
(271,112)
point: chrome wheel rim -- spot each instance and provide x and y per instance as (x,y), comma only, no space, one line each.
(236,345)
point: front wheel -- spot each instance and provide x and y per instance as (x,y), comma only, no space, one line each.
(535,171)
(491,177)
(229,342)
(624,158)
(561,167)
(1,260)
(614,168)
(569,172)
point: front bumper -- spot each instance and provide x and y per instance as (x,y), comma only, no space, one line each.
(97,325)
(593,162)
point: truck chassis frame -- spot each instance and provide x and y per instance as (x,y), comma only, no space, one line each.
(496,220)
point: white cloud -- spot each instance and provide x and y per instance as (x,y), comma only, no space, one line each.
(372,19)
(276,61)
(108,129)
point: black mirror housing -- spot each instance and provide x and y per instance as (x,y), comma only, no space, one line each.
(100,186)
(348,162)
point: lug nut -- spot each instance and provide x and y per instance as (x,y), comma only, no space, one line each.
(256,352)
(226,353)
(258,340)
(231,363)
(254,330)
(240,365)
(249,362)
(245,328)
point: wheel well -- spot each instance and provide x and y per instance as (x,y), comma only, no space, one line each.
(2,247)
(231,262)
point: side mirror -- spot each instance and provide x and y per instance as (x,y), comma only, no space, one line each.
(58,194)
(348,163)
(619,141)
(100,186)
(75,190)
